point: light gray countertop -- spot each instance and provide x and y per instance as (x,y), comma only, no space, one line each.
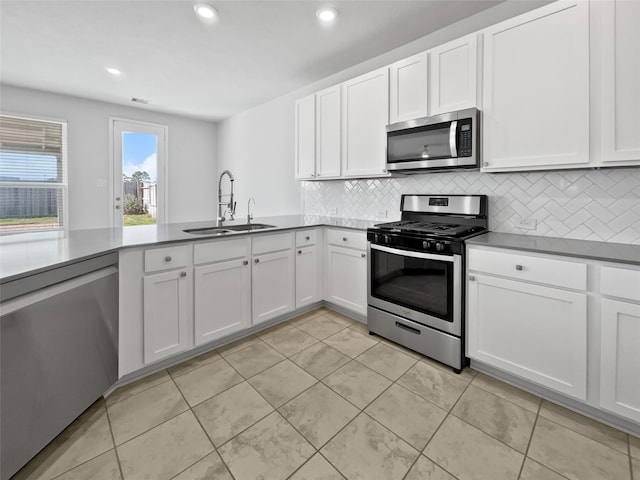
(30,253)
(604,251)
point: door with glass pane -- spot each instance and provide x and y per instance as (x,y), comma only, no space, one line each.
(139,173)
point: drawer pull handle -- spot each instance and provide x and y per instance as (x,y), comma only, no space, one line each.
(408,328)
(363,255)
(246,262)
(344,239)
(307,238)
(299,252)
(257,260)
(519,267)
(167,258)
(183,274)
(472,278)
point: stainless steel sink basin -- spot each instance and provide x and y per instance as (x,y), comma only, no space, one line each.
(207,231)
(249,226)
(227,229)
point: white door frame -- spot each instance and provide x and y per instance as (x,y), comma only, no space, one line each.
(115,172)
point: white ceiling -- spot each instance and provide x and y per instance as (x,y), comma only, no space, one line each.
(256,51)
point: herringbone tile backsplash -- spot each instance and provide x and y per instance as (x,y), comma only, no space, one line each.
(602,205)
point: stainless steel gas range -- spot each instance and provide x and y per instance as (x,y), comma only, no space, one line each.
(415,282)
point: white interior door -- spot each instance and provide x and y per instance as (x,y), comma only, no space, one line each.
(139,158)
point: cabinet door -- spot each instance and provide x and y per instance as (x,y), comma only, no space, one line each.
(535,332)
(536,90)
(272,285)
(305,138)
(307,285)
(365,114)
(328,132)
(453,72)
(620,80)
(620,358)
(222,295)
(166,314)
(408,89)
(347,278)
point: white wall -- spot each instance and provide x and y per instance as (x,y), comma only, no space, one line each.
(191,156)
(258,144)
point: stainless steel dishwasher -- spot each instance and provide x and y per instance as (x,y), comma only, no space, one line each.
(58,352)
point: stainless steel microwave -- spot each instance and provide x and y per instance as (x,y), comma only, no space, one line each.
(441,142)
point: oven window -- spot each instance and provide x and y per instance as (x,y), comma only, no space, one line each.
(420,284)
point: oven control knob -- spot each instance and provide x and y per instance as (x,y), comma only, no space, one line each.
(425,245)
(439,246)
(376,237)
(386,239)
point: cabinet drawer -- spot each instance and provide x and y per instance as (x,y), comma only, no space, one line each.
(551,271)
(306,237)
(165,258)
(271,243)
(221,250)
(620,282)
(349,239)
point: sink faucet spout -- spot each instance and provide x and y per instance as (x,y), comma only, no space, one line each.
(230,205)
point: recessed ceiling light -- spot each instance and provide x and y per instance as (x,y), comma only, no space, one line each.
(326,14)
(205,11)
(114,71)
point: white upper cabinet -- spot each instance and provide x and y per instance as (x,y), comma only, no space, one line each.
(620,81)
(328,132)
(305,138)
(408,89)
(453,73)
(536,90)
(365,115)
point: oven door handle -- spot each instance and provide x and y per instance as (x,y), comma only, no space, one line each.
(409,253)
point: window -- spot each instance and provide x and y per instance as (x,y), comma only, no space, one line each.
(33,180)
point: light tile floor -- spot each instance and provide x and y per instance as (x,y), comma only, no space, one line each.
(316,398)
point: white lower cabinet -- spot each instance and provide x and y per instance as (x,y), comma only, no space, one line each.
(533,331)
(222,293)
(166,316)
(347,278)
(272,285)
(620,358)
(307,286)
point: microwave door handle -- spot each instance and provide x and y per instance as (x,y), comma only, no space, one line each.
(453,129)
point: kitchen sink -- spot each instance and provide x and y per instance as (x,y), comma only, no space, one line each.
(227,229)
(249,226)
(207,231)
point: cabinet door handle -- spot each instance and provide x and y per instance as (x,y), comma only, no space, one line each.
(167,258)
(519,267)
(257,260)
(183,274)
(472,278)
(299,252)
(246,262)
(344,239)
(363,255)
(307,238)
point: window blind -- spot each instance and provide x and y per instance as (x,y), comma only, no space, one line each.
(33,184)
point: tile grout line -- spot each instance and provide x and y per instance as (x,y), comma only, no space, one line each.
(215,450)
(630,458)
(113,439)
(533,429)
(442,423)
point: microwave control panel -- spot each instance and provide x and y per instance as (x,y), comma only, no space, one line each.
(465,138)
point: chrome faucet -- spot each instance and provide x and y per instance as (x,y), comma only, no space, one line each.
(230,206)
(249,216)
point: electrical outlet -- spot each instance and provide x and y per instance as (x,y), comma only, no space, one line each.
(383,214)
(527,223)
(333,211)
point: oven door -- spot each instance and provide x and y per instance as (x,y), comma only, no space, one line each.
(422,287)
